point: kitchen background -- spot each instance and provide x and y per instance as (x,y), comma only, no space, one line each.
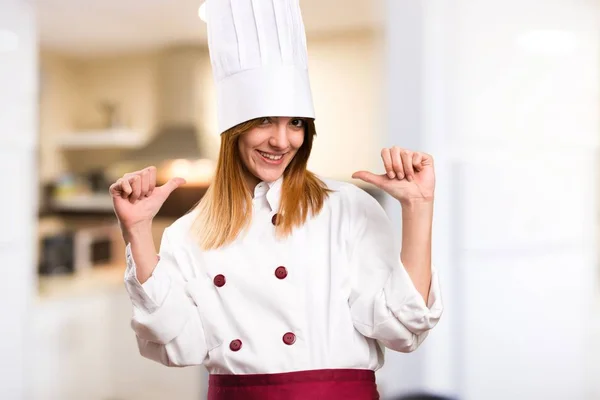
(505,95)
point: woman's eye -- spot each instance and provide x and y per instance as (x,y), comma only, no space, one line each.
(265,121)
(298,123)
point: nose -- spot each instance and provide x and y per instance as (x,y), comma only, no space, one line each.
(279,137)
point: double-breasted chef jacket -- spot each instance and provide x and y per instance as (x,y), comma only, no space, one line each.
(332,295)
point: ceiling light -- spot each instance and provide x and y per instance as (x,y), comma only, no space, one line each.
(9,41)
(548,42)
(202,11)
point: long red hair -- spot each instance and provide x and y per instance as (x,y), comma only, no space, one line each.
(225,210)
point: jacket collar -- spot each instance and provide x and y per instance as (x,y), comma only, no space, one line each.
(271,191)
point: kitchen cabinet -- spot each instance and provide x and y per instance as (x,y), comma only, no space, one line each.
(82,347)
(70,339)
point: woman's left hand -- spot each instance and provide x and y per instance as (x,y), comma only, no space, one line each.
(409,176)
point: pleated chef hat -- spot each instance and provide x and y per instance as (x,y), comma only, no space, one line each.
(259,60)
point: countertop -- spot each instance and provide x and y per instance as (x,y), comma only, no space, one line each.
(102,278)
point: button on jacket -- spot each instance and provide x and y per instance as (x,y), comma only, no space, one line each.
(331,295)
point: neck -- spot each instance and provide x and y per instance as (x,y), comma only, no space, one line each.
(251,181)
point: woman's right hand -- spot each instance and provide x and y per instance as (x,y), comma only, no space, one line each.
(136,198)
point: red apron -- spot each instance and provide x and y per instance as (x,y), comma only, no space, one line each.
(330,384)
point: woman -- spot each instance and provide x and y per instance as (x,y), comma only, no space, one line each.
(283,284)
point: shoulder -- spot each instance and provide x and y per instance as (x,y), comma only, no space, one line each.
(180,231)
(347,190)
(349,193)
(358,208)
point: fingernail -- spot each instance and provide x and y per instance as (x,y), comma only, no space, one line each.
(391,175)
(400,177)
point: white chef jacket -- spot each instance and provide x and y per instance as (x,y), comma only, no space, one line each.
(332,295)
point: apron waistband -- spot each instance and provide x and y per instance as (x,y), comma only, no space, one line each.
(319,375)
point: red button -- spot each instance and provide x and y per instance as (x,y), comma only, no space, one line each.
(275,220)
(235,345)
(281,272)
(289,338)
(219,280)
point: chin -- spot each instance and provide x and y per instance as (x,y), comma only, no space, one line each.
(270,176)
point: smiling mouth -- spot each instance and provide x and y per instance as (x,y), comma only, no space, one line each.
(269,156)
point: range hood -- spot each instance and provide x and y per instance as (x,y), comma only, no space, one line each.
(177,133)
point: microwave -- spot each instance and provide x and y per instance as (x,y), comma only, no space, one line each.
(97,246)
(56,254)
(80,249)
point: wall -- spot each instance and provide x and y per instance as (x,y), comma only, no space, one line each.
(129,81)
(347,88)
(344,72)
(505,93)
(58,99)
(18,146)
(73,93)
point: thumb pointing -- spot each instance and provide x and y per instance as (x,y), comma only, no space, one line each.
(370,177)
(171,185)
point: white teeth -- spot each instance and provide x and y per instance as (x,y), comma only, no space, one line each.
(271,156)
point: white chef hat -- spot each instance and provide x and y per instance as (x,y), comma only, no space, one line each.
(259,60)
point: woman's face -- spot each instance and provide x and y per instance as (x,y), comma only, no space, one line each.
(268,149)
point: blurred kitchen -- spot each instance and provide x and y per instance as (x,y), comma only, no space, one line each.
(505,95)
(124,85)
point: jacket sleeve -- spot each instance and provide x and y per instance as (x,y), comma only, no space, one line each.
(165,320)
(384,303)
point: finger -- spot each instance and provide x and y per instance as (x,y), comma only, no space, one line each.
(377,180)
(427,160)
(387,163)
(170,186)
(145,182)
(120,188)
(397,162)
(115,189)
(151,179)
(409,171)
(126,188)
(136,185)
(416,161)
(129,176)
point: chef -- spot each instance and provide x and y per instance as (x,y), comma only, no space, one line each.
(282,283)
